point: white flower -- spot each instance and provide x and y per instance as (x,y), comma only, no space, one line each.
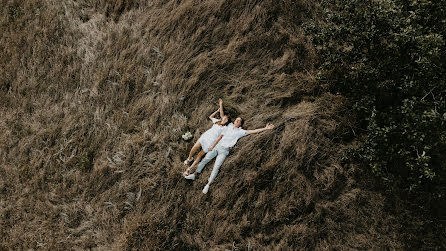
(187,136)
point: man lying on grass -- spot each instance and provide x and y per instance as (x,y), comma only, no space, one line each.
(221,146)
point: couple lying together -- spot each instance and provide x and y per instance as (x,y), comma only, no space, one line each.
(216,142)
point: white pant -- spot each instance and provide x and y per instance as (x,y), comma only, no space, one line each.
(221,153)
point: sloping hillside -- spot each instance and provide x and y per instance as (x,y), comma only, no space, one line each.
(95,96)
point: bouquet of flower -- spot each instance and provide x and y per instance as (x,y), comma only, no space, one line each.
(187,136)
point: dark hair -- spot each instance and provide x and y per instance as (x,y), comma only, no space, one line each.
(243,121)
(229,119)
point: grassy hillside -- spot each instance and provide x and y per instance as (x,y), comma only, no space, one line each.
(95,96)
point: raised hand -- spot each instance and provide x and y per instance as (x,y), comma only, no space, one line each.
(220,103)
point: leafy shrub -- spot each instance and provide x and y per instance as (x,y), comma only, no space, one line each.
(388,58)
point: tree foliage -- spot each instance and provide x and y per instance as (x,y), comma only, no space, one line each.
(388,58)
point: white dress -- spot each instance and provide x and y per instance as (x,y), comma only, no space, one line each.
(210,136)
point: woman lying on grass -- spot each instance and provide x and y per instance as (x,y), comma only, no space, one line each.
(207,138)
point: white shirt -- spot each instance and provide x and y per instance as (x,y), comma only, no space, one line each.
(231,135)
(213,132)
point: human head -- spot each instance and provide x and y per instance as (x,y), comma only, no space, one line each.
(238,122)
(225,120)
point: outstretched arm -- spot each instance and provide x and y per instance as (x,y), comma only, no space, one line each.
(267,127)
(213,114)
(220,102)
(216,142)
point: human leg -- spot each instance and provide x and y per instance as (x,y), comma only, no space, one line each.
(197,160)
(194,149)
(208,157)
(222,154)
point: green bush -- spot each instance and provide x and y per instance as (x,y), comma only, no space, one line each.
(387,57)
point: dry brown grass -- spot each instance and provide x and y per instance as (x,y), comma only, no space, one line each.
(92,116)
